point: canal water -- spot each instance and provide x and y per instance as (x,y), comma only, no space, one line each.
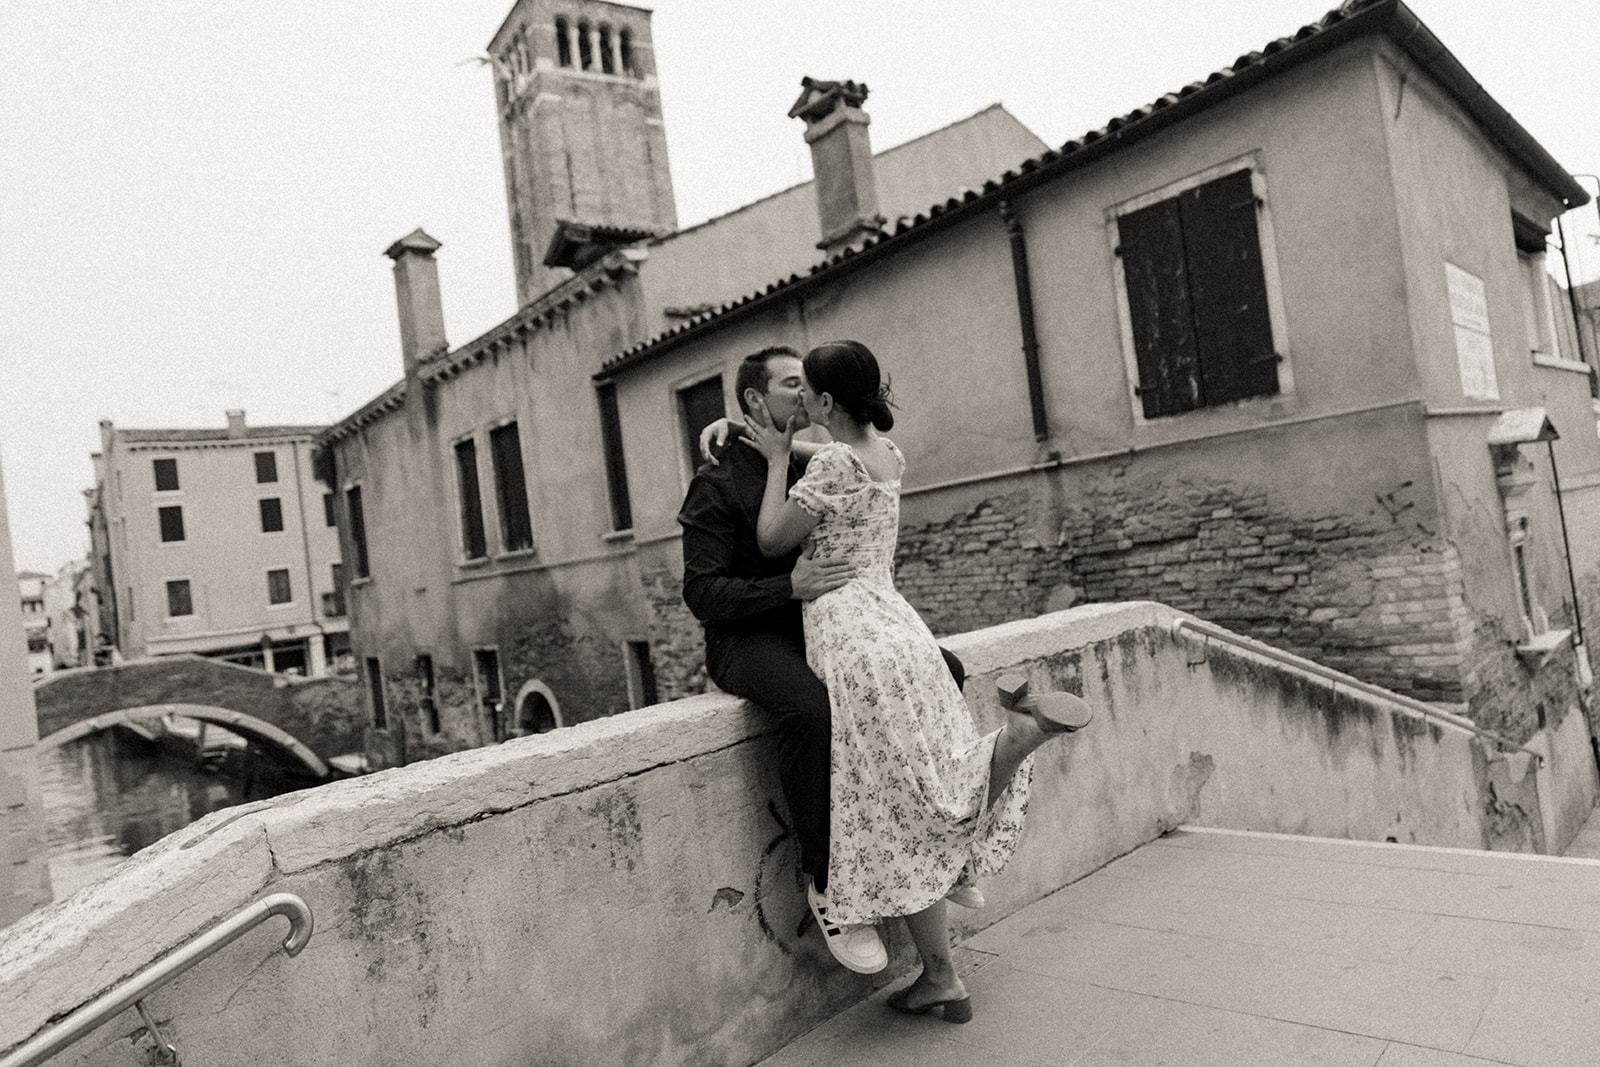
(110,794)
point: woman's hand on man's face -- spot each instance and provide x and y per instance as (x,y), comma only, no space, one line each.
(772,442)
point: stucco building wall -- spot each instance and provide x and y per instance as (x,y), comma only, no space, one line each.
(24,874)
(1355,516)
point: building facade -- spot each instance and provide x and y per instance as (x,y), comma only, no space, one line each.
(493,582)
(220,543)
(1277,350)
(31,588)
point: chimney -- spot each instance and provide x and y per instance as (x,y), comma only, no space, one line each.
(416,290)
(841,160)
(236,423)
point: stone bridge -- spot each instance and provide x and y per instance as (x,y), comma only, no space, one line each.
(312,719)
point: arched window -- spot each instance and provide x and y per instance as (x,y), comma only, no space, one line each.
(625,48)
(563,42)
(607,61)
(585,47)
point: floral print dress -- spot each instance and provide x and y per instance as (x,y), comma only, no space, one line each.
(910,773)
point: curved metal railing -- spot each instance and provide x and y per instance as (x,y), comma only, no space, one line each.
(132,991)
(1338,681)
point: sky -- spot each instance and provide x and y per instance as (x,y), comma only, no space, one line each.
(195,195)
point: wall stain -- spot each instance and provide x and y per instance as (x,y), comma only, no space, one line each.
(623,832)
(726,896)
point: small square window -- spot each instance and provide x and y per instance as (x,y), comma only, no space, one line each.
(166,475)
(171,519)
(271,514)
(266,467)
(179,600)
(278,591)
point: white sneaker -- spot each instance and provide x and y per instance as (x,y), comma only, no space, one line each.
(968,896)
(857,946)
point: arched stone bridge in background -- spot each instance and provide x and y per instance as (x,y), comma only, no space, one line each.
(311,720)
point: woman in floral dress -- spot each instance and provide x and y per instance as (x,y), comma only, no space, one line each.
(921,804)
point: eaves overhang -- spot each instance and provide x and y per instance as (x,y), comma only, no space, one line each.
(1353,20)
(537,314)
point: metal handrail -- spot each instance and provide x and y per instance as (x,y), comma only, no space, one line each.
(131,992)
(1338,679)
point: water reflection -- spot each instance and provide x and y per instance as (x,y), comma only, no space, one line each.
(111,794)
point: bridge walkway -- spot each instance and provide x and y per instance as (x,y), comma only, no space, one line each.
(1225,948)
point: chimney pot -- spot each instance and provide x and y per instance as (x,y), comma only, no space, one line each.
(236,423)
(416,288)
(841,161)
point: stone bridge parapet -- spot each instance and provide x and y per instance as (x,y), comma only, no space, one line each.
(624,890)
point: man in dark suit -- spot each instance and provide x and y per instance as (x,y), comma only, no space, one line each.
(755,647)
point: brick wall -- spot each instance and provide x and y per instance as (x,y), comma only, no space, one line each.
(676,639)
(1365,595)
(587,674)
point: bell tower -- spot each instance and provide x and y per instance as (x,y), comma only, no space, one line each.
(581,136)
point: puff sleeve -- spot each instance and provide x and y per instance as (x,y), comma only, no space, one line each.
(829,479)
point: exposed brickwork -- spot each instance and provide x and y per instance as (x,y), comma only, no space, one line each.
(1515,698)
(1362,595)
(676,639)
(587,675)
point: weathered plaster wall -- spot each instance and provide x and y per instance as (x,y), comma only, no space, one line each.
(624,891)
(24,875)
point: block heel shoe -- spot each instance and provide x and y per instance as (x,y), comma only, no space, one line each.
(1056,713)
(958,1010)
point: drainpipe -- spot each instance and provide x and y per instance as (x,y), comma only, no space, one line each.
(1030,336)
(311,581)
(1572,584)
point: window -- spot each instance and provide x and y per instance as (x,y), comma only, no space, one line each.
(474,542)
(625,47)
(430,706)
(516,525)
(179,600)
(607,59)
(486,668)
(699,406)
(328,516)
(166,471)
(271,514)
(171,519)
(1196,297)
(585,47)
(641,675)
(380,712)
(563,43)
(333,602)
(616,468)
(130,603)
(266,467)
(1538,311)
(278,591)
(358,529)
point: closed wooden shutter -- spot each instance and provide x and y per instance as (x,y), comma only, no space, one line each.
(1197,298)
(1157,282)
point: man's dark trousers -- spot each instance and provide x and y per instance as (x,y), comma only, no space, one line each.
(769,669)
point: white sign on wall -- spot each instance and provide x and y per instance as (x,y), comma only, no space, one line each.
(1469,311)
